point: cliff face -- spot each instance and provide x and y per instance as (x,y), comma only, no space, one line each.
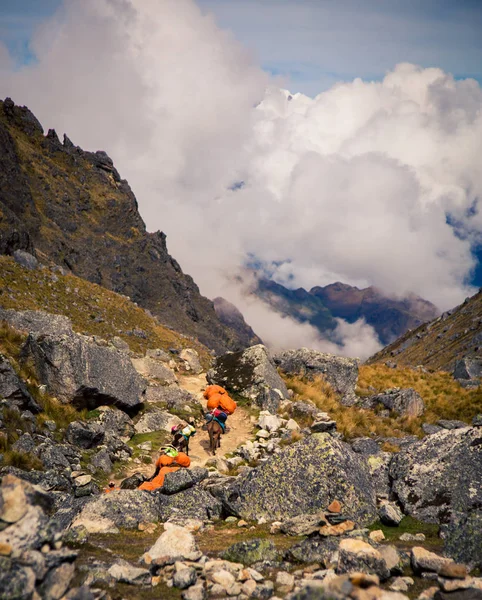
(71,207)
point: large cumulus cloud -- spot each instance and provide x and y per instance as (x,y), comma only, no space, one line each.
(370,183)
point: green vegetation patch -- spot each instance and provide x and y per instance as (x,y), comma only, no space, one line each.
(412,526)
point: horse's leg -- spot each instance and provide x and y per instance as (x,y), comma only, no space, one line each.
(212,446)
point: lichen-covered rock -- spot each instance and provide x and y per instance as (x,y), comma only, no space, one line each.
(357,556)
(183,479)
(156,419)
(315,549)
(304,478)
(340,372)
(16,582)
(124,508)
(76,369)
(251,373)
(463,537)
(192,503)
(379,466)
(440,475)
(250,552)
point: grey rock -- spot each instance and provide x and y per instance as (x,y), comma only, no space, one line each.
(365,446)
(154,369)
(357,555)
(76,369)
(323,426)
(102,461)
(341,373)
(431,429)
(25,443)
(14,390)
(37,321)
(124,508)
(304,478)
(48,480)
(132,482)
(390,514)
(52,457)
(191,358)
(467,594)
(57,582)
(124,572)
(175,542)
(451,424)
(80,593)
(84,435)
(25,259)
(315,549)
(55,558)
(477,420)
(406,402)
(468,368)
(16,583)
(171,396)
(463,537)
(193,503)
(252,374)
(183,479)
(303,524)
(115,423)
(250,552)
(36,561)
(196,592)
(379,466)
(454,460)
(156,419)
(185,578)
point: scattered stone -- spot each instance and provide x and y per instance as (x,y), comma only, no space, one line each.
(377,536)
(242,523)
(191,358)
(285,582)
(303,524)
(250,552)
(123,572)
(405,402)
(156,419)
(334,507)
(453,570)
(424,560)
(176,542)
(390,514)
(412,537)
(401,584)
(356,555)
(185,578)
(335,530)
(57,581)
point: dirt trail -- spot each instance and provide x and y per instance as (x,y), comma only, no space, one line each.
(239,427)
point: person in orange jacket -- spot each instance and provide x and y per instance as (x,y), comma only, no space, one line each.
(169,461)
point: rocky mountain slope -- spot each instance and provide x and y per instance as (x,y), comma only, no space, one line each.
(320,306)
(70,207)
(442,342)
(297,511)
(230,316)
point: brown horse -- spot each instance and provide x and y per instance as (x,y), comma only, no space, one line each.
(215,430)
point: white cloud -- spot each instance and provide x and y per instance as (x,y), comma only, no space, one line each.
(352,185)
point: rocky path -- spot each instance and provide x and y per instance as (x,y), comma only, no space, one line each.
(239,427)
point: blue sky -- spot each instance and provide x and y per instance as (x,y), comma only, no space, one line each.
(312,44)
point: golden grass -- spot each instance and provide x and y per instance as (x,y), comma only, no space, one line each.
(444,398)
(93,310)
(22,460)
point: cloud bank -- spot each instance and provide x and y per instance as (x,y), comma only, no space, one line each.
(369,183)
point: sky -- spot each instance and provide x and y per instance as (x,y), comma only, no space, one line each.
(329,143)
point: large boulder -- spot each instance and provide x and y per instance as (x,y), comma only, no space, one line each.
(438,474)
(156,419)
(24,510)
(77,369)
(192,503)
(115,423)
(154,369)
(123,508)
(305,478)
(405,402)
(14,390)
(251,373)
(340,372)
(468,369)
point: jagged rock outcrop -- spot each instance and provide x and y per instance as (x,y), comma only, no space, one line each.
(439,480)
(230,316)
(305,477)
(405,402)
(74,208)
(340,372)
(250,373)
(76,369)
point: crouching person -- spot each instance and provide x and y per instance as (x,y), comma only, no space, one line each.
(169,461)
